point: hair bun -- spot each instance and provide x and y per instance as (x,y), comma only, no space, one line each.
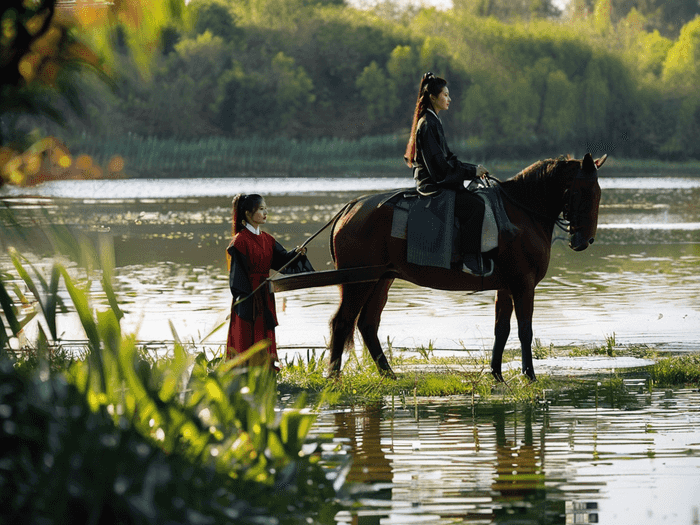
(428,76)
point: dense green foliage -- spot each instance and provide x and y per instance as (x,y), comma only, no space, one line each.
(524,85)
(114,437)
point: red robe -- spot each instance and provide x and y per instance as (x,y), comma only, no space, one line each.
(257,251)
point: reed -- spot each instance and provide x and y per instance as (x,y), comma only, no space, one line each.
(326,156)
(254,156)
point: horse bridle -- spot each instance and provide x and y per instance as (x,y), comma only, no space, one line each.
(573,213)
(561,221)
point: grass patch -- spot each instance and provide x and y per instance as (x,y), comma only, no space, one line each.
(677,371)
(423,376)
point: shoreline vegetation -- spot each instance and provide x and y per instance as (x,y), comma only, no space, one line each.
(420,373)
(378,156)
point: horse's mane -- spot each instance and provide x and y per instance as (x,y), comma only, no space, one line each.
(542,169)
(533,183)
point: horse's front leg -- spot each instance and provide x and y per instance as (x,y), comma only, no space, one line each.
(524,308)
(504,310)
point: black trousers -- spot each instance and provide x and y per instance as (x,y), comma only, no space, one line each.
(469,209)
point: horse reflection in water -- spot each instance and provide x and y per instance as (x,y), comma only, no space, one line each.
(534,199)
(496,471)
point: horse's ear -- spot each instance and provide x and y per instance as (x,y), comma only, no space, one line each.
(599,162)
(588,163)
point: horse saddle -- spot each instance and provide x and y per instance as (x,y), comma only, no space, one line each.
(431,230)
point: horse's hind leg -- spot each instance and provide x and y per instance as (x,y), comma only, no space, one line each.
(368,324)
(352,298)
(504,310)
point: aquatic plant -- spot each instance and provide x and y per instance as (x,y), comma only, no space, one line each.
(676,370)
(109,437)
(423,376)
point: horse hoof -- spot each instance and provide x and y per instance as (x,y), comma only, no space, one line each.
(530,374)
(498,376)
(388,373)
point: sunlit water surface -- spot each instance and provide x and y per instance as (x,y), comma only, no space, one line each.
(639,282)
(623,455)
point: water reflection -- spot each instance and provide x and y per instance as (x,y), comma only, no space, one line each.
(639,280)
(565,462)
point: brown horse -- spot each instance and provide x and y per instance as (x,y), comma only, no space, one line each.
(533,199)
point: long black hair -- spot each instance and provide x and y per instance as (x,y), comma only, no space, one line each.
(429,85)
(241,204)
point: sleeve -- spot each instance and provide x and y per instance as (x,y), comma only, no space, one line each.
(443,166)
(239,283)
(280,257)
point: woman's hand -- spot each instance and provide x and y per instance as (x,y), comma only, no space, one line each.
(300,249)
(481,172)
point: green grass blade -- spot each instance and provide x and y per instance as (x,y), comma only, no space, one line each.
(107,262)
(214,330)
(8,308)
(4,339)
(52,300)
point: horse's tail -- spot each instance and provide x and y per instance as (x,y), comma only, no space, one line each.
(335,220)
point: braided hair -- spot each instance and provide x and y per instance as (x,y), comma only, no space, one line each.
(429,85)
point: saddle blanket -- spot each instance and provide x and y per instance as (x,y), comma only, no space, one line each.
(431,230)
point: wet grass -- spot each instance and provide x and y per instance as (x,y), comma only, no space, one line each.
(677,370)
(470,377)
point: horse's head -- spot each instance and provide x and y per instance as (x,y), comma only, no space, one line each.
(581,202)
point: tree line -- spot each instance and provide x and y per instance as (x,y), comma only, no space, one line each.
(614,76)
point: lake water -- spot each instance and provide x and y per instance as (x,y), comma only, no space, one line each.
(621,455)
(638,282)
(624,454)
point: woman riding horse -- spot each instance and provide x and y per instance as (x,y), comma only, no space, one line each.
(435,168)
(534,199)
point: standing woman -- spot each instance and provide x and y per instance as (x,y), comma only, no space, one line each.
(435,167)
(251,254)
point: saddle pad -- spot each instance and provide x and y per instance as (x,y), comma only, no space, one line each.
(430,228)
(489,230)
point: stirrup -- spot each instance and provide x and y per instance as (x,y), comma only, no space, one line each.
(473,264)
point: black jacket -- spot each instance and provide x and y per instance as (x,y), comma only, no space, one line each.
(435,166)
(239,280)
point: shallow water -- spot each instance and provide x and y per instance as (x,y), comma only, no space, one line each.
(619,455)
(622,455)
(639,282)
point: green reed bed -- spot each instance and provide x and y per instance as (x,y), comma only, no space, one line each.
(223,157)
(326,156)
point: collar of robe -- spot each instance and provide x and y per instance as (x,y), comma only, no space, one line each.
(436,115)
(254,231)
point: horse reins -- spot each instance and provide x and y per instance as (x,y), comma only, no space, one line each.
(561,222)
